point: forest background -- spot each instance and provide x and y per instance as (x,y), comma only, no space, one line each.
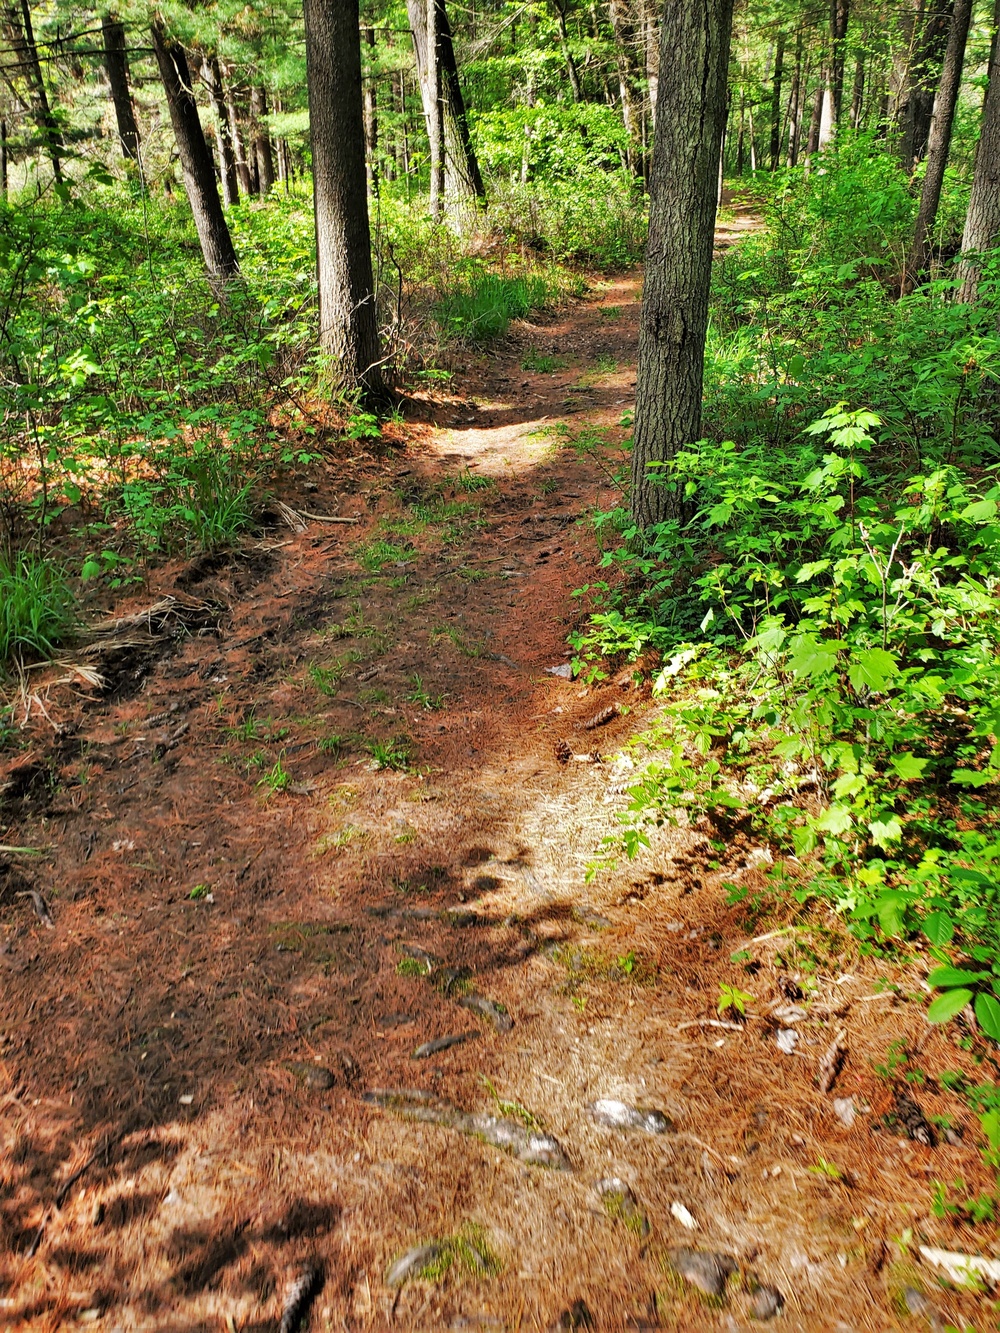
(816,580)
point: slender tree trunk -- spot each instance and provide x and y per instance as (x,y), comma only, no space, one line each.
(920,78)
(939,142)
(624,42)
(651,46)
(463,179)
(435,106)
(3,159)
(858,92)
(211,74)
(779,62)
(694,46)
(839,15)
(348,323)
(753,144)
(571,70)
(243,172)
(116,66)
(794,107)
(196,164)
(982,222)
(371,116)
(261,139)
(816,121)
(21,36)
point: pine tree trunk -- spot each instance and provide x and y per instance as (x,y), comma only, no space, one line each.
(196,164)
(21,36)
(348,325)
(243,172)
(794,106)
(916,108)
(694,62)
(982,222)
(839,14)
(858,92)
(3,159)
(651,48)
(261,140)
(816,121)
(116,66)
(435,111)
(211,74)
(938,143)
(463,179)
(779,63)
(371,117)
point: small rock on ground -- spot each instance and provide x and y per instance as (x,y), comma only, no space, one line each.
(488,1009)
(313,1076)
(707,1270)
(618,1115)
(621,1204)
(766,1302)
(442,1044)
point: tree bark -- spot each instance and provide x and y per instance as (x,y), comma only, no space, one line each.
(348,324)
(3,159)
(238,139)
(211,74)
(938,143)
(795,106)
(21,36)
(371,116)
(463,179)
(196,163)
(116,66)
(816,121)
(571,70)
(694,62)
(858,92)
(982,222)
(624,43)
(435,110)
(261,139)
(651,46)
(779,64)
(839,15)
(916,98)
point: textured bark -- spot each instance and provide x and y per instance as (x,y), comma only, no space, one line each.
(858,92)
(3,158)
(238,139)
(795,100)
(196,162)
(919,79)
(463,181)
(779,69)
(816,120)
(20,34)
(694,46)
(371,116)
(211,74)
(839,15)
(628,75)
(348,325)
(982,222)
(435,108)
(651,45)
(116,67)
(263,156)
(939,142)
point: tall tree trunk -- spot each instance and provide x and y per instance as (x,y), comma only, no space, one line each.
(916,97)
(571,70)
(816,120)
(694,47)
(624,42)
(196,164)
(371,116)
(3,159)
(21,36)
(238,138)
(939,142)
(795,105)
(651,46)
(982,222)
(779,64)
(261,139)
(348,323)
(211,74)
(858,92)
(116,66)
(463,179)
(435,108)
(839,14)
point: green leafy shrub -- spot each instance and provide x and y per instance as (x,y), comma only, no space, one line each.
(36,608)
(482,309)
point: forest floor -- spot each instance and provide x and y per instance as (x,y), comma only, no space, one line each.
(210,1082)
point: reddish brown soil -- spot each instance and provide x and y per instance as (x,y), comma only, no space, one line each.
(166,1163)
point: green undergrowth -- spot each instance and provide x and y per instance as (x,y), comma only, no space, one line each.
(482,308)
(36,609)
(825,606)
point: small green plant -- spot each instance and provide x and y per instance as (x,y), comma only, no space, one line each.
(733,1001)
(419,695)
(393,754)
(606,365)
(470,482)
(544,365)
(247,730)
(332,745)
(199,891)
(827,1169)
(411,967)
(373,555)
(482,309)
(610,311)
(276,779)
(512,1109)
(36,608)
(326,679)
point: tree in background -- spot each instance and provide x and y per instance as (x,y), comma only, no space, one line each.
(982,221)
(683,185)
(348,328)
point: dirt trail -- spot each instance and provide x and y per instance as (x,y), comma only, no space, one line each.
(256,928)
